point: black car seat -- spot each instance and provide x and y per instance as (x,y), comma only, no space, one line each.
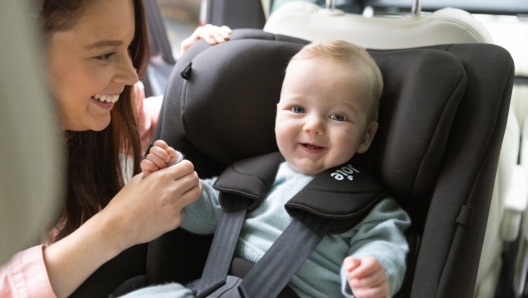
(442,118)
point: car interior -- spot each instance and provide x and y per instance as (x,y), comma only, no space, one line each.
(464,177)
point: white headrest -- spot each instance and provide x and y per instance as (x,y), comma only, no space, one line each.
(445,26)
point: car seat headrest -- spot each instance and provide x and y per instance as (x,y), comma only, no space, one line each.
(228,106)
(229,100)
(422,91)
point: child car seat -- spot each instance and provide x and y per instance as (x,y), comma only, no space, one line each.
(442,117)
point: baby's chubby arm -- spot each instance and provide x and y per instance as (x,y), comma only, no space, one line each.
(160,156)
(366,277)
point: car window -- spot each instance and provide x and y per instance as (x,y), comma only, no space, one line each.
(181,17)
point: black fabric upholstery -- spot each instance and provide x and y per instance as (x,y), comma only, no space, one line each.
(450,252)
(241,178)
(442,118)
(172,128)
(345,200)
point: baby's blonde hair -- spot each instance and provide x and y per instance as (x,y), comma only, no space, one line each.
(356,57)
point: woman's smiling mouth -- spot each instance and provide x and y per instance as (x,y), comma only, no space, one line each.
(106,98)
(105,101)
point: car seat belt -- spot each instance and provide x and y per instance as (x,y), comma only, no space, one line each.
(223,246)
(275,269)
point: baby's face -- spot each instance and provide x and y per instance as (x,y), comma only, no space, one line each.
(322,115)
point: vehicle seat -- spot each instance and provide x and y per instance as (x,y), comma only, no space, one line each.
(229,98)
(311,22)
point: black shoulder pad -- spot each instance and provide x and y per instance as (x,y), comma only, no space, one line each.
(251,178)
(346,193)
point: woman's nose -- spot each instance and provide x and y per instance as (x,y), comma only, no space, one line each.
(126,74)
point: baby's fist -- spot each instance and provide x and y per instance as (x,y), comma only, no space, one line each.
(366,277)
(160,156)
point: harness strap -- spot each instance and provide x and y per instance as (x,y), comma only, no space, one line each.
(276,268)
(223,246)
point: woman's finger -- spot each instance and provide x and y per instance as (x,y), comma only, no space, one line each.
(179,170)
(191,195)
(185,44)
(218,35)
(186,183)
(226,29)
(226,32)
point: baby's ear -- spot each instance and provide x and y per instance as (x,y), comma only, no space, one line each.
(368,136)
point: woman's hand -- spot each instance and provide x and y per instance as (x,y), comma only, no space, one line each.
(142,211)
(210,33)
(148,207)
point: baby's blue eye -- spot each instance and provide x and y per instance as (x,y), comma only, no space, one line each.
(298,110)
(338,117)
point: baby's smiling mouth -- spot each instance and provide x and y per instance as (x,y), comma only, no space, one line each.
(311,146)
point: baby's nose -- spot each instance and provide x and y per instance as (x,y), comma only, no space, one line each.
(314,125)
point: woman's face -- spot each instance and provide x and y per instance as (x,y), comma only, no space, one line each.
(89,65)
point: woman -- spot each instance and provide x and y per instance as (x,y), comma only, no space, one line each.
(96,50)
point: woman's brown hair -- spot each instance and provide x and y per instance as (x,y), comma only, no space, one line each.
(95,172)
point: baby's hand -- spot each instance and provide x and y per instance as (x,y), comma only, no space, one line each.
(160,156)
(210,33)
(366,277)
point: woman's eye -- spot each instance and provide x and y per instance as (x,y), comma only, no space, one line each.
(338,117)
(298,110)
(105,57)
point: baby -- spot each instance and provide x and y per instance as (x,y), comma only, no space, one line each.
(327,113)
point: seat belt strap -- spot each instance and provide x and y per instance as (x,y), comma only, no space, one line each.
(223,246)
(276,268)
